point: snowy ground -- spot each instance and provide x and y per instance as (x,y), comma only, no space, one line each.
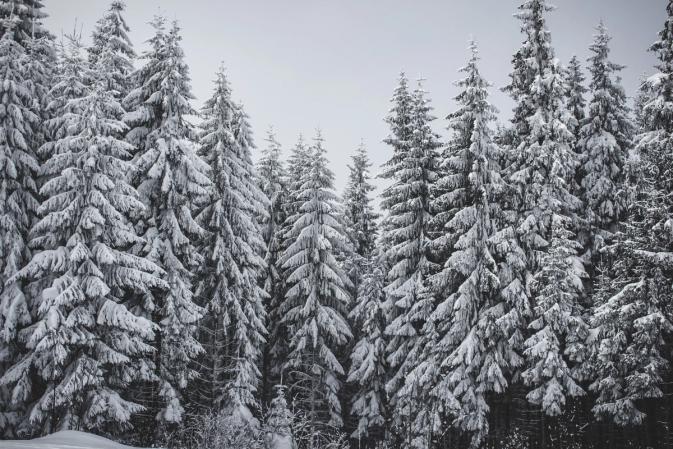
(68,439)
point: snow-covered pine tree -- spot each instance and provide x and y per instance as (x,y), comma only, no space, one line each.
(273,182)
(359,211)
(18,210)
(406,239)
(228,280)
(28,16)
(278,423)
(86,346)
(631,325)
(575,92)
(559,328)
(111,32)
(298,167)
(359,218)
(315,302)
(632,320)
(71,83)
(172,181)
(297,170)
(640,100)
(143,117)
(542,167)
(468,355)
(40,61)
(606,138)
(368,357)
(528,62)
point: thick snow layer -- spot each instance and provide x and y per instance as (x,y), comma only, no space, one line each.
(67,439)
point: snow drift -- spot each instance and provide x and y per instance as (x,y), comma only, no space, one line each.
(67,439)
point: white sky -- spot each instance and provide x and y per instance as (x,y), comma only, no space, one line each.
(333,64)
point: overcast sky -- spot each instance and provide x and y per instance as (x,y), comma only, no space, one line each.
(333,64)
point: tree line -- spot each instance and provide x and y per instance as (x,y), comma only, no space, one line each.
(159,287)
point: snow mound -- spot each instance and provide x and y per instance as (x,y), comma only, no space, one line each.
(67,439)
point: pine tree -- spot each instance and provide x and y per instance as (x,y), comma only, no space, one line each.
(18,209)
(359,218)
(171,180)
(278,423)
(606,137)
(368,357)
(405,228)
(297,172)
(360,213)
(86,346)
(233,253)
(298,167)
(559,329)
(542,167)
(111,33)
(575,92)
(273,182)
(70,84)
(467,355)
(315,302)
(632,319)
(143,117)
(528,63)
(28,16)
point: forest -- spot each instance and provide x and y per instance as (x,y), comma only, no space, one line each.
(164,283)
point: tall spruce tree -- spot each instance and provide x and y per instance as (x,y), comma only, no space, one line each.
(19,167)
(111,35)
(315,302)
(632,320)
(273,182)
(406,229)
(228,280)
(297,171)
(86,346)
(171,180)
(542,167)
(468,355)
(606,137)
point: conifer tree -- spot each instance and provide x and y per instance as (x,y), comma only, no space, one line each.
(28,16)
(575,92)
(111,33)
(18,209)
(278,423)
(273,182)
(632,319)
(142,117)
(606,137)
(86,346)
(171,180)
(406,229)
(468,355)
(315,302)
(542,167)
(359,211)
(298,169)
(229,276)
(368,357)
(359,218)
(559,328)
